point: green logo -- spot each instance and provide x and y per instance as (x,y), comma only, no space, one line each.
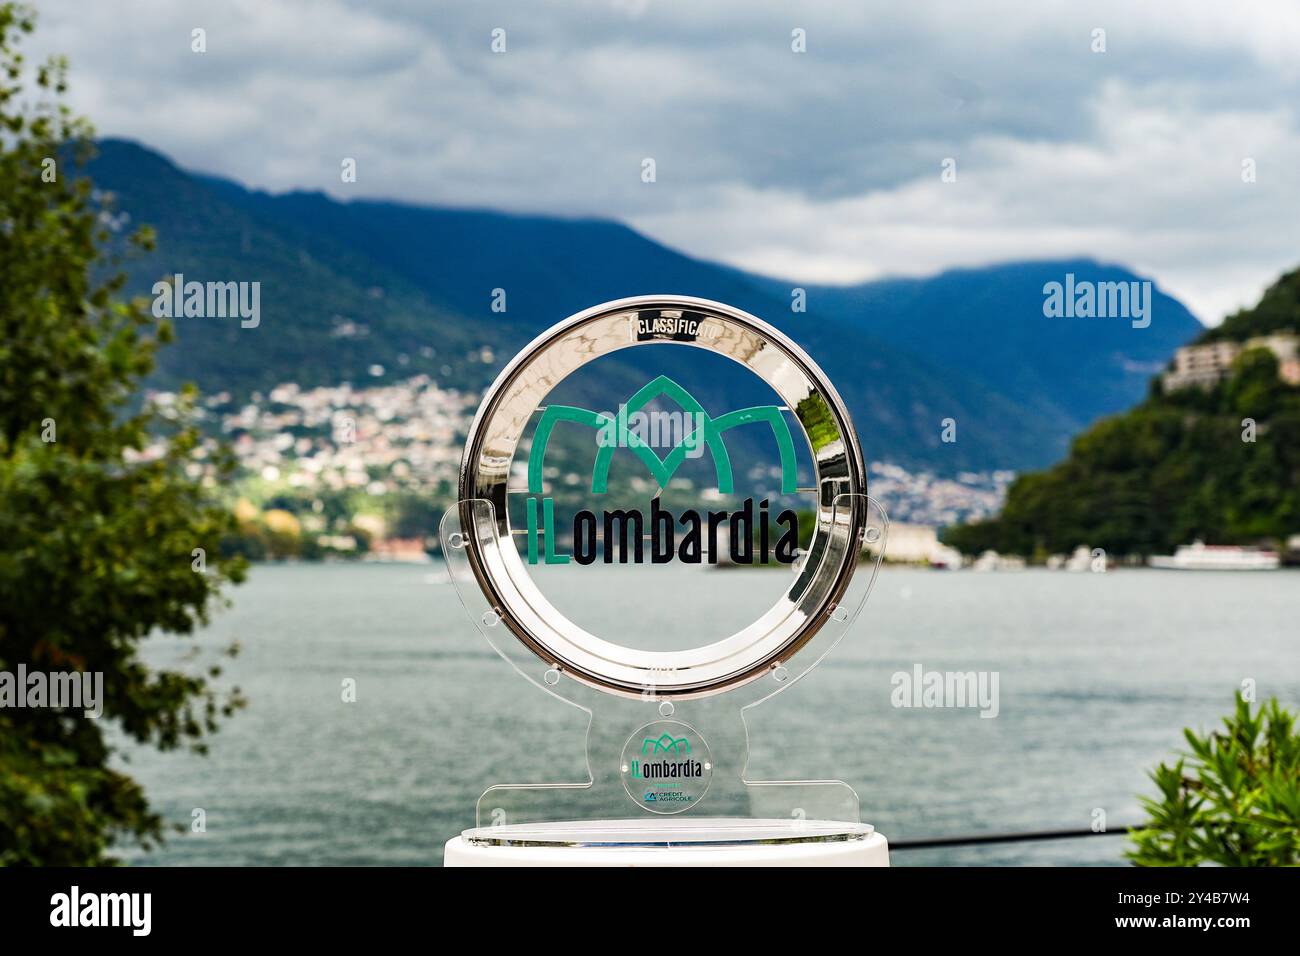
(663,469)
(626,528)
(666,766)
(666,743)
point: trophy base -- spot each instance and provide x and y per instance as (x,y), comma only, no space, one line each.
(696,842)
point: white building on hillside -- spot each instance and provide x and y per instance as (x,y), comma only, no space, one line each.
(1205,365)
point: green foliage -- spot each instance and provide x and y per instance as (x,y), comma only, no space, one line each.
(1174,468)
(417,516)
(1234,800)
(1276,312)
(99,518)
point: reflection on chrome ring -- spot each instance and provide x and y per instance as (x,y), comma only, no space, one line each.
(823,572)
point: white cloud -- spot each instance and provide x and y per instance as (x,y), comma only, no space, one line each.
(1154,186)
(822,166)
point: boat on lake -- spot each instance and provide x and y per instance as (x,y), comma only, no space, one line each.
(1200,556)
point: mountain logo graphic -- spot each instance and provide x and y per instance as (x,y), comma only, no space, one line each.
(663,469)
(625,530)
(666,743)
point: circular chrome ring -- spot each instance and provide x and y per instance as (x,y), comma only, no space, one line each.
(826,568)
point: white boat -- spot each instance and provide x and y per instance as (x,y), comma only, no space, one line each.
(1200,556)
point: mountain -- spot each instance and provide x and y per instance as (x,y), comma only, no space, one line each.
(1218,461)
(989,322)
(365,291)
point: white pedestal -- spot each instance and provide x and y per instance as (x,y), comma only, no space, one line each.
(704,842)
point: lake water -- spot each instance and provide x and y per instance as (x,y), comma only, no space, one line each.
(1098,674)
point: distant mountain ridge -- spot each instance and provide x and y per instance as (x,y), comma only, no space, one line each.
(1104,364)
(349,288)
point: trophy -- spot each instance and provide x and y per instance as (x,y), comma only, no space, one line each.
(667,739)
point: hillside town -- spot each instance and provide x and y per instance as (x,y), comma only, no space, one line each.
(366,471)
(348,471)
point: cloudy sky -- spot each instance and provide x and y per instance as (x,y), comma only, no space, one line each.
(821,166)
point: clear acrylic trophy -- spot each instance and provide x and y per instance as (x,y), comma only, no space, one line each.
(667,740)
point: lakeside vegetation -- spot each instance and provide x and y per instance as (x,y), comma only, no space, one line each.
(1180,466)
(1232,800)
(100,545)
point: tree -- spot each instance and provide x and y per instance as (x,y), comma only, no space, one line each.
(1175,468)
(104,536)
(1234,800)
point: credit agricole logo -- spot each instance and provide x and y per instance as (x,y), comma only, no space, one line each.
(748,534)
